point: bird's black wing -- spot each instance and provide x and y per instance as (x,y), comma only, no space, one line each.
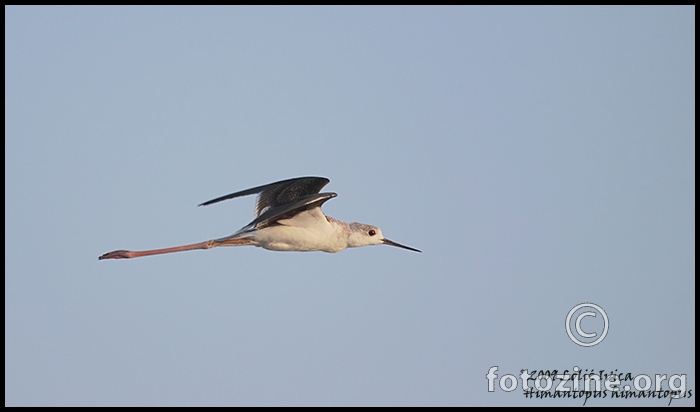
(289,210)
(278,194)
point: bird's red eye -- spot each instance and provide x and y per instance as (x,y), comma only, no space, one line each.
(372,232)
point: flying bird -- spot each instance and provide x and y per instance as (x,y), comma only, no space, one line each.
(288,217)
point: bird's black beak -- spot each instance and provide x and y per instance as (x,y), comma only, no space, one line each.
(389,242)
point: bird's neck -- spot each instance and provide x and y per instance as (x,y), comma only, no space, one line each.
(339,224)
(340,227)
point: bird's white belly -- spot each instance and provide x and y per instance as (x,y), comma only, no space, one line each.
(319,237)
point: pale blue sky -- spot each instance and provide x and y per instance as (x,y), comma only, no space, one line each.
(540,158)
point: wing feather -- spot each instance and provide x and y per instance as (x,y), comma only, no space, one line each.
(277,194)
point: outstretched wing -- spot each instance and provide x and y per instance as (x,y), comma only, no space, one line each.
(288,210)
(277,195)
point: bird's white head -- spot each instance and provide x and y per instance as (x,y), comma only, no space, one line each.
(364,235)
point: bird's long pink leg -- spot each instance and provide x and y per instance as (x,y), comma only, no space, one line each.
(128,254)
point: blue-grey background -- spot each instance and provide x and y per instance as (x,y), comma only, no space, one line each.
(540,158)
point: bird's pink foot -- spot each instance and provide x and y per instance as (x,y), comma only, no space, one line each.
(117,254)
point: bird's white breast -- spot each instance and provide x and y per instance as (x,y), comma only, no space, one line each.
(307,231)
